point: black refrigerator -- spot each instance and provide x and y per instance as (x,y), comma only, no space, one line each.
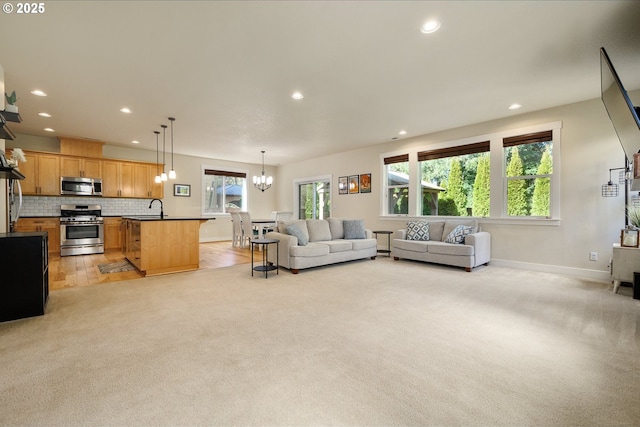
(24,267)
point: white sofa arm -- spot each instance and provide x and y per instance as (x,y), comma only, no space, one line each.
(481,241)
(401,234)
(286,241)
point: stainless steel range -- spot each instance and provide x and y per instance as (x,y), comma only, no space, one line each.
(81,230)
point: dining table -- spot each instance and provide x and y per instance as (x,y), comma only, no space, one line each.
(263,224)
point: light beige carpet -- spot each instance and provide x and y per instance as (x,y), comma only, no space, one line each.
(378,342)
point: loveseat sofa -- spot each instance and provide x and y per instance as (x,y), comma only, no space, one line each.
(451,242)
(315,242)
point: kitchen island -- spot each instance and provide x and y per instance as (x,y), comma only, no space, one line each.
(160,245)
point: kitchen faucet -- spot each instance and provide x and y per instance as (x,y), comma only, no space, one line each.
(161,208)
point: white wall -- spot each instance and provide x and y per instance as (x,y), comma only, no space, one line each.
(588,223)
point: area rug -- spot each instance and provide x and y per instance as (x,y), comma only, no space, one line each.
(116,267)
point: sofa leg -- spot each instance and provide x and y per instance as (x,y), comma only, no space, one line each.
(295,270)
(373,257)
(395,258)
(468,269)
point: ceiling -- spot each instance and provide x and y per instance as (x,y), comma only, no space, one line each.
(226,70)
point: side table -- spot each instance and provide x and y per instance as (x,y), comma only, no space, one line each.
(263,244)
(388,233)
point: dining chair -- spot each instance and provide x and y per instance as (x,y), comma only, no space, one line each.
(248,232)
(237,230)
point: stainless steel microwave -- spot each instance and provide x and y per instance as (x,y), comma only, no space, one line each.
(80,186)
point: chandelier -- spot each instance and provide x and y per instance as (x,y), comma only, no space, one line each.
(262,182)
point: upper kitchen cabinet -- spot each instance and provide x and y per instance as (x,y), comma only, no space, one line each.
(76,166)
(144,182)
(42,174)
(117,179)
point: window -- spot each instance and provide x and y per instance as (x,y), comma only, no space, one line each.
(397,184)
(223,189)
(455,180)
(528,173)
(511,174)
(314,198)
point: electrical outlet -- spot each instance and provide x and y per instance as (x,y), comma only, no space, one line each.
(593,256)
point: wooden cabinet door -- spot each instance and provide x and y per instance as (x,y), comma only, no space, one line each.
(157,189)
(49,175)
(112,233)
(110,178)
(92,168)
(141,187)
(126,179)
(30,171)
(70,166)
(50,225)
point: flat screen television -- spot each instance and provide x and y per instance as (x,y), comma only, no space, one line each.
(622,113)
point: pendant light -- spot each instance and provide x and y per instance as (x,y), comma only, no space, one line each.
(172,172)
(158,179)
(163,177)
(262,182)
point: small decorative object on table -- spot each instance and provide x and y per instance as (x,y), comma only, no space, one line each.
(629,238)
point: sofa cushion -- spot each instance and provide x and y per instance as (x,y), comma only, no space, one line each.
(458,234)
(337,228)
(449,249)
(360,244)
(318,230)
(410,245)
(339,245)
(453,223)
(418,230)
(354,229)
(299,229)
(435,230)
(311,250)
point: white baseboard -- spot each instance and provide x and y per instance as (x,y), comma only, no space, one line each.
(583,273)
(214,239)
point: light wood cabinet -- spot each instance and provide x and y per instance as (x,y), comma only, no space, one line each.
(163,246)
(42,174)
(117,179)
(113,233)
(50,225)
(144,182)
(77,166)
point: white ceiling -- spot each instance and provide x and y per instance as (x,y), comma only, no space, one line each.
(226,70)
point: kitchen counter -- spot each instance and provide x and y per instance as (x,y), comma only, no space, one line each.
(165,218)
(160,246)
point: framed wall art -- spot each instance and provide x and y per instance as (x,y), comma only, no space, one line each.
(343,185)
(182,190)
(365,183)
(629,238)
(354,184)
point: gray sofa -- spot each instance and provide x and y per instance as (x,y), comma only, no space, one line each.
(451,242)
(312,243)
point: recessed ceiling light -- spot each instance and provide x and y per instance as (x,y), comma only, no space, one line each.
(49,130)
(297,95)
(125,110)
(430,26)
(402,132)
(44,114)
(37,92)
(514,106)
(135,142)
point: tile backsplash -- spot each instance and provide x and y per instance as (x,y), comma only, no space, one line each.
(50,206)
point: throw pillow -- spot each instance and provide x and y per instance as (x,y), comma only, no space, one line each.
(337,229)
(318,230)
(418,230)
(458,234)
(296,230)
(354,229)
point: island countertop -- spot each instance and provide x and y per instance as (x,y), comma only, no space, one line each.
(165,218)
